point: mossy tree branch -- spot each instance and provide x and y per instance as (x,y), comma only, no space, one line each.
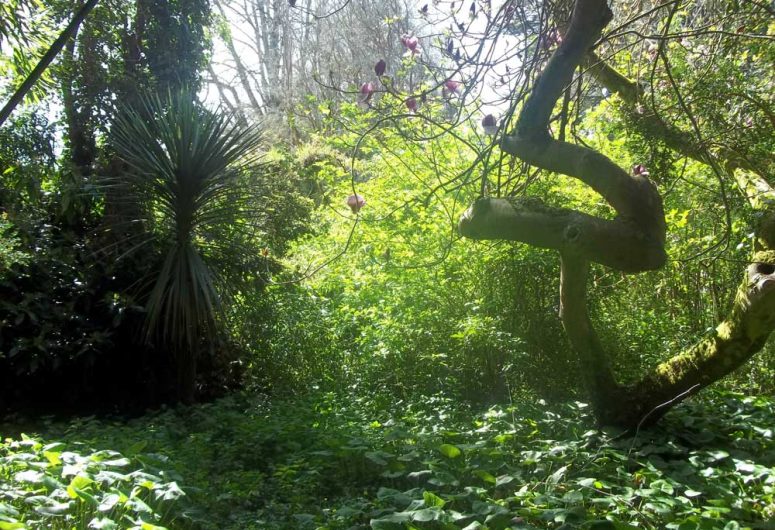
(632,242)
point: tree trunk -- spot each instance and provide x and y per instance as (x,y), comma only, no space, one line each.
(631,242)
(46,60)
(185,359)
(78,110)
(734,341)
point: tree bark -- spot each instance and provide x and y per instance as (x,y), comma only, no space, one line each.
(631,242)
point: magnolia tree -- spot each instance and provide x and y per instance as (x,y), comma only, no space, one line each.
(539,65)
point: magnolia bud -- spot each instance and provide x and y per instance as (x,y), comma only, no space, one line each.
(380,67)
(356,202)
(489,125)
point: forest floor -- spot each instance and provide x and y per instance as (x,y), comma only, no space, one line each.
(341,462)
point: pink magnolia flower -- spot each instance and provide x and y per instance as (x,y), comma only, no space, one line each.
(640,169)
(367,90)
(489,125)
(452,86)
(356,202)
(412,44)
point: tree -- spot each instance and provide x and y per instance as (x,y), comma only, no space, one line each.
(185,166)
(278,54)
(633,241)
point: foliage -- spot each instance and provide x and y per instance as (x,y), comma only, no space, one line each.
(62,486)
(10,254)
(405,306)
(332,461)
(185,165)
(12,19)
(71,314)
(412,310)
(27,161)
(29,29)
(41,303)
(176,42)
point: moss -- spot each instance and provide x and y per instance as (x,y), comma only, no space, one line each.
(764,256)
(724,330)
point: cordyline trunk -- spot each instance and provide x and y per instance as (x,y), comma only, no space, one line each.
(632,242)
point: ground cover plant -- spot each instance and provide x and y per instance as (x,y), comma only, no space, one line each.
(331,461)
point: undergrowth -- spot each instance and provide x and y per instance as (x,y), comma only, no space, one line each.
(342,462)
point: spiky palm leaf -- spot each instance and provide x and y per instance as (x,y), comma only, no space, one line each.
(184,162)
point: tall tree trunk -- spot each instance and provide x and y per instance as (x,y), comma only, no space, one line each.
(78,110)
(632,242)
(46,60)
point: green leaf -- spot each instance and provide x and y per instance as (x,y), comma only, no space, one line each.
(744,467)
(31,476)
(485,476)
(663,486)
(108,502)
(150,526)
(555,477)
(393,521)
(54,508)
(450,451)
(425,515)
(443,478)
(502,480)
(433,500)
(81,482)
(376,457)
(137,447)
(304,518)
(102,523)
(118,462)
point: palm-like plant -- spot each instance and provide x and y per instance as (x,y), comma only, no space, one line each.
(185,162)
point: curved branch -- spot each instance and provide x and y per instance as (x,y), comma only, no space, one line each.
(615,243)
(632,242)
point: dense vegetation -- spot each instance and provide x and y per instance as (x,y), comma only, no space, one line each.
(364,264)
(335,462)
